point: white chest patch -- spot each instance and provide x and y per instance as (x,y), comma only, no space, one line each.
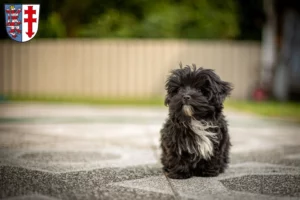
(203,144)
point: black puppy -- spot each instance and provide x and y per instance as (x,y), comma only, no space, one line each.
(194,139)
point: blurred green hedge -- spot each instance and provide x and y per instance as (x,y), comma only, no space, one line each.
(140,19)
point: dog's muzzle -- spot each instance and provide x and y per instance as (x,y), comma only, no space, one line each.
(186,98)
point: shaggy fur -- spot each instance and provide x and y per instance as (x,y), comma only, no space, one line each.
(195,139)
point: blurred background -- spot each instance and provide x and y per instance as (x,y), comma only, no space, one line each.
(82,103)
(120,52)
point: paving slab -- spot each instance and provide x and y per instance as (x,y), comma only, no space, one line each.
(52,151)
(29,197)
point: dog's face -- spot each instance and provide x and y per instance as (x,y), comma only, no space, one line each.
(197,93)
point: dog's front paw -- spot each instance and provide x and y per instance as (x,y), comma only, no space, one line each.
(209,173)
(165,169)
(179,175)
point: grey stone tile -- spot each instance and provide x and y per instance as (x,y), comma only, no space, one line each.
(68,161)
(246,181)
(125,193)
(31,197)
(277,185)
(77,185)
(155,184)
(283,155)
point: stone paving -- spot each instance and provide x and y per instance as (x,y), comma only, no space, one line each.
(52,152)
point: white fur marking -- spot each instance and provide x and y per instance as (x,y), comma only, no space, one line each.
(204,139)
(188,110)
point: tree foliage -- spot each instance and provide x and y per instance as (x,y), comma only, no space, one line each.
(167,19)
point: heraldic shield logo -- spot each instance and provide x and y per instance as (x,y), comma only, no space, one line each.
(22,21)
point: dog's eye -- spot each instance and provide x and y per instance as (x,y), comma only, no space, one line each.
(199,90)
(173,90)
(204,92)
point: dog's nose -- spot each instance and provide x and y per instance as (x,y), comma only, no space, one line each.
(187,97)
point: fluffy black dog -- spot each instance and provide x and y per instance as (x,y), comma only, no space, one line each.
(194,139)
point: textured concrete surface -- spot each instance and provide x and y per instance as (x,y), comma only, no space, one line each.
(89,152)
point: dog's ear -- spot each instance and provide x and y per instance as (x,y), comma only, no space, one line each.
(223,90)
(220,89)
(167,100)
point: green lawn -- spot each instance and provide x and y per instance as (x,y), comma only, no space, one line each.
(286,110)
(157,101)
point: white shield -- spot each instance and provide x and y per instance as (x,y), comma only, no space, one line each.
(30,21)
